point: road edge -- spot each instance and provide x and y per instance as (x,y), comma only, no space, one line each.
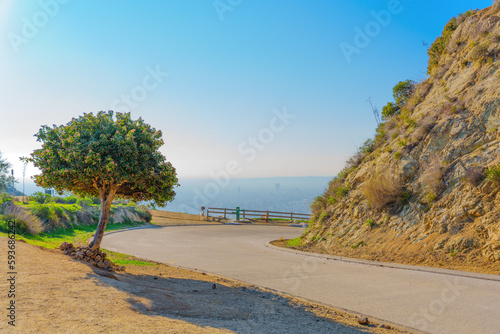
(449,272)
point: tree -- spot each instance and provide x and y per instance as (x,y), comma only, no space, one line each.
(105,155)
(5,179)
(402,91)
(389,110)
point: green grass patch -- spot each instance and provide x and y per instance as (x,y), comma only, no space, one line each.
(76,234)
(124,259)
(294,242)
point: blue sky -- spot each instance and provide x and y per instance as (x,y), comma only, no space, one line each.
(217,77)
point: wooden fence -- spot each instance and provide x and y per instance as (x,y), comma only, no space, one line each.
(257,214)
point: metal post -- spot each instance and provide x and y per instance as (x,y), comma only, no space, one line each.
(13,189)
(24,174)
(237,213)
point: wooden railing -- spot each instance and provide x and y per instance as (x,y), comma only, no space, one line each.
(244,213)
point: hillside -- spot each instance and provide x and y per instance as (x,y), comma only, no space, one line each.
(426,188)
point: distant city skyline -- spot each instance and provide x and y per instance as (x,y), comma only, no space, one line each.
(243,88)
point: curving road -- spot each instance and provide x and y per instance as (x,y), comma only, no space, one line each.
(432,301)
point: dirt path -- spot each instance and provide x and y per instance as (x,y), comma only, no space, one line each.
(55,294)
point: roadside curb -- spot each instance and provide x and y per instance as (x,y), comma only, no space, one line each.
(449,272)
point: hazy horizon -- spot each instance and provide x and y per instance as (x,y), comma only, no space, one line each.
(294,194)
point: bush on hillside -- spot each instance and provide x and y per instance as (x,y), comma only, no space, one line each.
(440,45)
(431,180)
(493,174)
(384,190)
(475,175)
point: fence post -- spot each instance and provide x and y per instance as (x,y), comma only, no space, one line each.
(208,214)
(225,213)
(243,214)
(291,217)
(267,217)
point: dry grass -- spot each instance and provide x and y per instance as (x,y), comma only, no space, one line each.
(431,180)
(355,160)
(383,189)
(475,175)
(34,224)
(423,128)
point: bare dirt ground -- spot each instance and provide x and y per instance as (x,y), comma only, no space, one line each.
(55,294)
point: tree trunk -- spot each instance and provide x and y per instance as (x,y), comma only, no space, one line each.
(106,200)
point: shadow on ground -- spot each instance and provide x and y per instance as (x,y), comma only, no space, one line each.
(238,309)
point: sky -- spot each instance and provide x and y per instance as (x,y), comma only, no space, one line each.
(257,88)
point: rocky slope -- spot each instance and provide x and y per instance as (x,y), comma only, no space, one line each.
(428,185)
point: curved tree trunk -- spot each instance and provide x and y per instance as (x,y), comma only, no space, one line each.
(106,200)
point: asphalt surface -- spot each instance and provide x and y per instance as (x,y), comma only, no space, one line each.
(428,301)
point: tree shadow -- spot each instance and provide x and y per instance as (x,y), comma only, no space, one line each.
(203,303)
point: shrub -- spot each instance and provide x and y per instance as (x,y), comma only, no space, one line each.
(58,211)
(40,198)
(439,46)
(431,180)
(423,128)
(85,201)
(402,91)
(318,205)
(390,110)
(341,192)
(21,226)
(370,222)
(475,175)
(28,223)
(367,147)
(493,174)
(353,162)
(322,216)
(42,211)
(336,190)
(5,198)
(384,190)
(66,200)
(480,53)
(144,213)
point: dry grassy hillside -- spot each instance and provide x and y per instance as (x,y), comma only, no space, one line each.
(426,188)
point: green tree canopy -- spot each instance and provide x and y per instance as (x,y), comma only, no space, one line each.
(389,110)
(105,155)
(401,92)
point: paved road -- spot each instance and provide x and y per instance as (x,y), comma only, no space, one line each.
(427,301)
